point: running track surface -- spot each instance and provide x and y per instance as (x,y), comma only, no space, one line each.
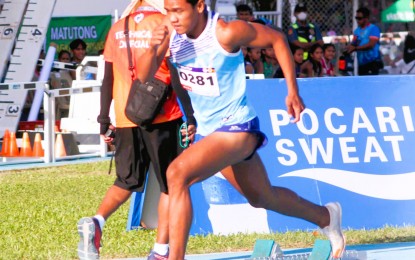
(388,251)
(391,251)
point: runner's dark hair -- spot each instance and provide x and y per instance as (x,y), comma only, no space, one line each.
(192,2)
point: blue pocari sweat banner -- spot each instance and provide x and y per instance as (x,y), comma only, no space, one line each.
(355,144)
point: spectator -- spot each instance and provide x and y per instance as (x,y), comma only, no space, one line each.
(302,33)
(407,64)
(253,64)
(78,48)
(31,93)
(329,52)
(298,55)
(61,78)
(312,66)
(270,62)
(244,12)
(366,43)
(409,48)
(64,56)
(249,68)
(38,68)
(253,56)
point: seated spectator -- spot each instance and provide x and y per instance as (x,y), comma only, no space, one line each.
(64,56)
(254,57)
(298,54)
(329,52)
(270,62)
(312,66)
(61,78)
(244,12)
(249,69)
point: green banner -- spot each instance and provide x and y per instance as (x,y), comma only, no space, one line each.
(400,11)
(91,29)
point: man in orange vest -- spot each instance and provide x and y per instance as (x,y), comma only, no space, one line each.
(135,147)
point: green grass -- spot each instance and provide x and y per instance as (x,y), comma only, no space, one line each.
(39,209)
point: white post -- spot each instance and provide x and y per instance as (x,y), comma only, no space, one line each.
(356,64)
(116,16)
(279,13)
(44,76)
(49,126)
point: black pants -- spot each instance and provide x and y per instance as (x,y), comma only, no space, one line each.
(371,68)
(135,148)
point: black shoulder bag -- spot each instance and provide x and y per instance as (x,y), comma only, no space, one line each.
(144,100)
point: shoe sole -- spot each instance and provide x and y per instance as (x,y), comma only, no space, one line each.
(86,246)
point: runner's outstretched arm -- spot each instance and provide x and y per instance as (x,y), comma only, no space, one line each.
(240,33)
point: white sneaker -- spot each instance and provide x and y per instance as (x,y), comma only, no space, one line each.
(333,231)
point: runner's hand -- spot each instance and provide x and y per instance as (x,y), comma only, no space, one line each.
(159,34)
(295,106)
(190,135)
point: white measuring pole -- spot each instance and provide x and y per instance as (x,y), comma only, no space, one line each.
(44,76)
(30,40)
(10,20)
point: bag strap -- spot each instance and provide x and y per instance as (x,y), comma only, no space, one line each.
(127,41)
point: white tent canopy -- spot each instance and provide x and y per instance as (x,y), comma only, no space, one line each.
(88,8)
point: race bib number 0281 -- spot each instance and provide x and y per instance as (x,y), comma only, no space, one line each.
(201,81)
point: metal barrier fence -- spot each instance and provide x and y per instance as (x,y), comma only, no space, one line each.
(334,17)
(82,116)
(49,131)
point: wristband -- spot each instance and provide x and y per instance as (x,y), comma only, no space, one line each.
(104,120)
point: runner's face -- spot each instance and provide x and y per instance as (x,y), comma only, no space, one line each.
(183,16)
